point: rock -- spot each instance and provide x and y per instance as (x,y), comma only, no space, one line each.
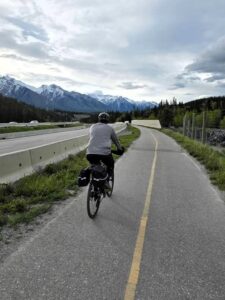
(216,137)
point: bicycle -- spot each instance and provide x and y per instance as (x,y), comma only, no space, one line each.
(97,189)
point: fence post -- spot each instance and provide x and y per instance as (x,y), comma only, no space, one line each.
(193,126)
(184,124)
(203,127)
(188,127)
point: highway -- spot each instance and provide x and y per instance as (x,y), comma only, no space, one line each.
(23,143)
(161,198)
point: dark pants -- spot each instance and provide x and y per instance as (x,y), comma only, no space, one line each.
(106,159)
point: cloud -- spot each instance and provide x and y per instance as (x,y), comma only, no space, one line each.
(29,29)
(183,80)
(211,61)
(52,79)
(13,56)
(215,77)
(103,43)
(132,85)
(221,85)
(11,40)
(178,85)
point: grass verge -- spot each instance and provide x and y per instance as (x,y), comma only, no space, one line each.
(33,195)
(11,129)
(214,161)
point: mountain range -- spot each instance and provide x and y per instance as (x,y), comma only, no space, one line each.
(53,97)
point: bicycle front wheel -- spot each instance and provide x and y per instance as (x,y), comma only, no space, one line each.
(93,201)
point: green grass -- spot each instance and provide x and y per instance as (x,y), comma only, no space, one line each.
(26,217)
(214,161)
(10,129)
(33,195)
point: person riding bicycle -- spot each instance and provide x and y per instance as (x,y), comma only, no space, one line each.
(102,136)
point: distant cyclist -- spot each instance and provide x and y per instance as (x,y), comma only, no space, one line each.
(102,136)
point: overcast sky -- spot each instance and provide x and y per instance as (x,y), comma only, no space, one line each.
(141,49)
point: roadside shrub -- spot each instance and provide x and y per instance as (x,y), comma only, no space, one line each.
(51,169)
(213,160)
(17,205)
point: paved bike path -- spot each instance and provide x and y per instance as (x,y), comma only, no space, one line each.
(184,250)
(74,257)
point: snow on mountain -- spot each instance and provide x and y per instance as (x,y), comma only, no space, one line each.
(51,91)
(70,101)
(54,97)
(8,83)
(22,92)
(50,97)
(119,103)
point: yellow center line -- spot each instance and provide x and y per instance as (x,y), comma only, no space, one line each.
(136,261)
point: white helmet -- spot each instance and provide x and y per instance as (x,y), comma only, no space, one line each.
(103,117)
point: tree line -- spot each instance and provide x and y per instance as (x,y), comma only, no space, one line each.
(168,113)
(13,110)
(171,114)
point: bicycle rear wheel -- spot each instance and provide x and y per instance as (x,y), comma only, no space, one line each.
(93,201)
(111,184)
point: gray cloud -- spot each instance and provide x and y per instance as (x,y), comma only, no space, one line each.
(29,29)
(14,56)
(53,79)
(145,41)
(184,79)
(211,61)
(215,77)
(9,40)
(132,85)
(178,85)
(81,65)
(221,84)
(187,77)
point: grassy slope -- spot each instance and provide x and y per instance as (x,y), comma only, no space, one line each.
(27,198)
(214,161)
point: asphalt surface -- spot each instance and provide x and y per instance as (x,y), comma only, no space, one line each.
(28,142)
(74,257)
(23,143)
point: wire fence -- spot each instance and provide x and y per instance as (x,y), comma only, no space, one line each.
(202,131)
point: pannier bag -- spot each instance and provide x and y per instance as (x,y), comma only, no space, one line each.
(99,175)
(84,177)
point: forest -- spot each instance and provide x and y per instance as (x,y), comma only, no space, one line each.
(12,110)
(170,114)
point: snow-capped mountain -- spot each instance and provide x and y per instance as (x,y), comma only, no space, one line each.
(9,83)
(51,91)
(123,104)
(69,101)
(16,89)
(52,97)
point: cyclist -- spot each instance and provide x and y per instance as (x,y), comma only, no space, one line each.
(102,136)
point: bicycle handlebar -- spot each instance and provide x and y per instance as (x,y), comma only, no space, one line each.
(118,152)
